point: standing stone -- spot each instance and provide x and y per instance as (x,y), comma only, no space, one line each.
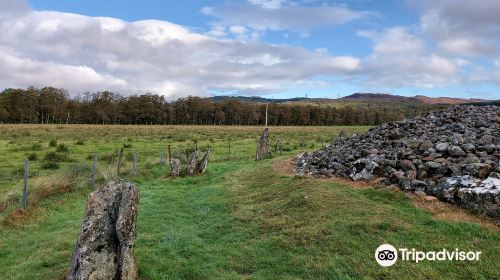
(175,167)
(203,164)
(341,136)
(105,245)
(264,148)
(191,168)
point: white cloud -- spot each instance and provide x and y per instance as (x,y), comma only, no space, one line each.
(276,15)
(401,59)
(80,53)
(463,27)
(238,29)
(268,4)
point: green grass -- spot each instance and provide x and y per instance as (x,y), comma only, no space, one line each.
(242,220)
(62,144)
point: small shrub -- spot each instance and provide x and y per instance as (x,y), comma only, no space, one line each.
(32,156)
(80,142)
(54,157)
(18,171)
(62,148)
(129,156)
(36,147)
(109,158)
(53,143)
(287,148)
(50,165)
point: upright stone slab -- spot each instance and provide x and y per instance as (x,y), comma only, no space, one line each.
(175,167)
(105,245)
(264,146)
(203,164)
(193,161)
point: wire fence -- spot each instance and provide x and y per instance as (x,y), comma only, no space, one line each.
(126,161)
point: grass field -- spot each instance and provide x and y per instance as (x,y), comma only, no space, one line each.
(241,220)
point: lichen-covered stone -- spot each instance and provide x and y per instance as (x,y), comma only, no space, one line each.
(105,244)
(193,161)
(203,164)
(264,149)
(175,167)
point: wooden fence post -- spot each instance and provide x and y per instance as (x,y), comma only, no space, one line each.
(229,151)
(25,189)
(161,157)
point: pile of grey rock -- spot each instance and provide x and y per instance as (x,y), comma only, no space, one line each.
(452,154)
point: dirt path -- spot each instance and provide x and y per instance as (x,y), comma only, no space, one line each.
(438,209)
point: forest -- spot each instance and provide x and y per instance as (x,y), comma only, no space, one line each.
(50,105)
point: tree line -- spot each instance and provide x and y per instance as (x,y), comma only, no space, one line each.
(55,106)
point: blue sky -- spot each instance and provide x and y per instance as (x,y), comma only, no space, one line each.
(277,48)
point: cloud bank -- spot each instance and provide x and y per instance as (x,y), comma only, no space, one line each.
(39,48)
(83,53)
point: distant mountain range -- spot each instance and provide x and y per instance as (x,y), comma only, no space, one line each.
(362,98)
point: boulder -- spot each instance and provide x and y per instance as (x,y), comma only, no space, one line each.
(105,244)
(362,170)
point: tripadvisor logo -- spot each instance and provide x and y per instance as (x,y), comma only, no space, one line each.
(387,255)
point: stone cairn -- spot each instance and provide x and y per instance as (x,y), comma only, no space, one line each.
(264,149)
(452,154)
(105,245)
(194,165)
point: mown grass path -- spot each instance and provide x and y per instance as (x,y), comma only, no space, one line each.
(242,220)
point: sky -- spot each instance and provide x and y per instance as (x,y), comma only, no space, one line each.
(269,48)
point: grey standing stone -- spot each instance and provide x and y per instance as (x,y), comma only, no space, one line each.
(175,167)
(264,149)
(105,245)
(193,161)
(203,164)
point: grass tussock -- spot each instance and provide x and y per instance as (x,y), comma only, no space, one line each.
(53,143)
(71,178)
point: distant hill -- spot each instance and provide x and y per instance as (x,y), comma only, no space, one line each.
(380,97)
(362,98)
(256,99)
(448,100)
